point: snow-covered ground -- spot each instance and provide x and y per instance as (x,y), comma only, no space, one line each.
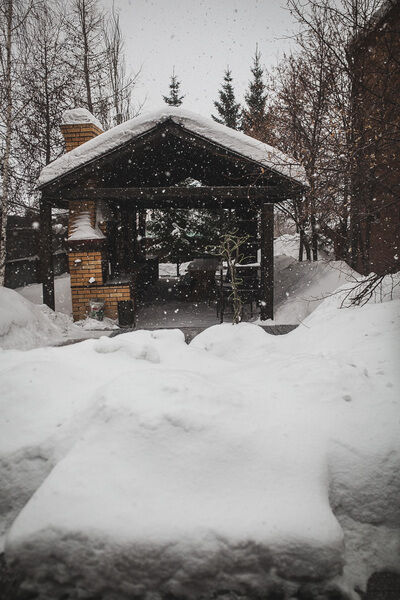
(300,287)
(139,465)
(169,269)
(25,323)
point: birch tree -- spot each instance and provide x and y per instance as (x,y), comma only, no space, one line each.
(13,16)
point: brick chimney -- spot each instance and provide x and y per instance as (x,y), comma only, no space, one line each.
(79,126)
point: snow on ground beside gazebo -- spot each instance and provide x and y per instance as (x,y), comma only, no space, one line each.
(26,324)
(241,461)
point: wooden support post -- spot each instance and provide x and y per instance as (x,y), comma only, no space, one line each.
(127,234)
(267,262)
(46,254)
(247,225)
(142,231)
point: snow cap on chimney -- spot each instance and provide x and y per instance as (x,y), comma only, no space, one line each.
(79,116)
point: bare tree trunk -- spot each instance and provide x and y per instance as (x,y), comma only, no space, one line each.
(301,246)
(8,132)
(86,65)
(314,237)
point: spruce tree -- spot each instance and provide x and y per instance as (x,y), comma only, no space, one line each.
(254,117)
(174,99)
(229,110)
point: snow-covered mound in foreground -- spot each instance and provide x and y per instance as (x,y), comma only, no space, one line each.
(241,462)
(24,325)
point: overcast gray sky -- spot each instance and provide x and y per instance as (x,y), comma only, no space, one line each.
(199,38)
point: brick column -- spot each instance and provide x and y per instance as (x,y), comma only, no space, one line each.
(76,134)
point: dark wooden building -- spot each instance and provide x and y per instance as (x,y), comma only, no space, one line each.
(375,210)
(106,178)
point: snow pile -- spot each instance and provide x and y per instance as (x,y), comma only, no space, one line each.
(240,462)
(84,230)
(90,324)
(226,137)
(24,325)
(300,287)
(79,116)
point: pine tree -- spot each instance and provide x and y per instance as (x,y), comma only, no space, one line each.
(229,111)
(174,99)
(254,117)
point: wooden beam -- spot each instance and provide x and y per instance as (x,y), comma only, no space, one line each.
(46,254)
(180,197)
(139,193)
(267,262)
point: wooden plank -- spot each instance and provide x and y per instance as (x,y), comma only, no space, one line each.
(141,193)
(46,254)
(211,197)
(267,262)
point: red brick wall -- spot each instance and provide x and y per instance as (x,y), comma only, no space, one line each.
(77,134)
(376,179)
(83,266)
(111,294)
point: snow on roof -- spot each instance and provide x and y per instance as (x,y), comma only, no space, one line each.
(226,137)
(79,116)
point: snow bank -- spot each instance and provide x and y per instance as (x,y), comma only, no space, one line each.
(24,325)
(239,462)
(79,116)
(235,141)
(300,287)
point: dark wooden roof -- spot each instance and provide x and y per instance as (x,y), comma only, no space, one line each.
(162,157)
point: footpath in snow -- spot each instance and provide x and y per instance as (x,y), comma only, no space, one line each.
(140,466)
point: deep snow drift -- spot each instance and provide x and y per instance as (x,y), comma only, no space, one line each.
(236,462)
(25,324)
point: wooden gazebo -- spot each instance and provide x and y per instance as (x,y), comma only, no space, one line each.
(139,165)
